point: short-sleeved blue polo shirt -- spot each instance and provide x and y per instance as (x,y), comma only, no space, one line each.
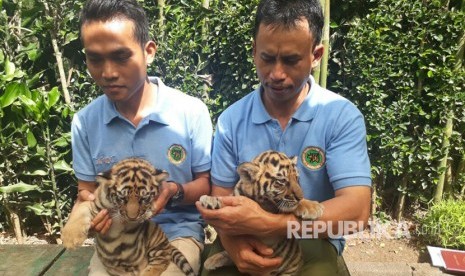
(327,133)
(175,137)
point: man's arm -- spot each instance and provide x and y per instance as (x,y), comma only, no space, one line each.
(242,216)
(346,213)
(248,253)
(192,191)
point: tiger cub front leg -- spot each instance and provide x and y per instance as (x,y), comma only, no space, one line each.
(77,228)
(308,210)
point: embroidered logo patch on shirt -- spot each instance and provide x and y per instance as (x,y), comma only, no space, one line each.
(105,160)
(176,154)
(313,158)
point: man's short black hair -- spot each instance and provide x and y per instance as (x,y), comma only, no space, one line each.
(287,13)
(105,10)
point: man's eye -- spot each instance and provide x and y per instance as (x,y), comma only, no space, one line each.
(291,61)
(267,59)
(93,59)
(121,58)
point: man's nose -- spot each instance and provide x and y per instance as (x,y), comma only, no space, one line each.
(109,71)
(277,72)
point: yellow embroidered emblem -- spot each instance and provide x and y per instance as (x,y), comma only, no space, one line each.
(313,158)
(176,154)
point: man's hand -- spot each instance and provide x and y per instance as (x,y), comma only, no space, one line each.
(250,255)
(168,189)
(238,216)
(102,221)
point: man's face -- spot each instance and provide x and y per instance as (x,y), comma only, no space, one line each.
(284,59)
(115,59)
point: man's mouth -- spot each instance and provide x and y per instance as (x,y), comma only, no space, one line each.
(110,88)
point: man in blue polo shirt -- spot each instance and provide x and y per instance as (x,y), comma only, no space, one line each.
(290,113)
(140,117)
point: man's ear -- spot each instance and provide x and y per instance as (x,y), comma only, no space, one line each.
(150,51)
(317,55)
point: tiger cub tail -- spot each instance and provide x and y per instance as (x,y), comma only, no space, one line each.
(181,262)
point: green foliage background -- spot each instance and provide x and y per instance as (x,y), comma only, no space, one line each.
(444,225)
(394,59)
(399,68)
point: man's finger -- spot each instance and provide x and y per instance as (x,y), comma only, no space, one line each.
(231,200)
(261,248)
(106,227)
(102,216)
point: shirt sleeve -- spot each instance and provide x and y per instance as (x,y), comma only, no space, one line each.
(82,159)
(224,161)
(202,141)
(347,155)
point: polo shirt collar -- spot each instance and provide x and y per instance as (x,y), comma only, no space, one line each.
(305,112)
(259,113)
(109,112)
(308,108)
(163,109)
(160,114)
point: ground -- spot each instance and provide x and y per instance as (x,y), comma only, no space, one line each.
(388,241)
(394,250)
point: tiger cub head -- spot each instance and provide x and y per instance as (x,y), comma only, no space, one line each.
(272,180)
(130,187)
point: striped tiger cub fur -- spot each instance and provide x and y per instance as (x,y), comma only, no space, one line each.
(134,245)
(271,179)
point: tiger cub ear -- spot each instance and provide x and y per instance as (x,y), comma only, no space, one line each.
(248,171)
(294,160)
(103,177)
(160,175)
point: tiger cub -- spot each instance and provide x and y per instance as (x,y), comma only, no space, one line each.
(134,245)
(271,179)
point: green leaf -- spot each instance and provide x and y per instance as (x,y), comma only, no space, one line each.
(63,141)
(12,91)
(38,173)
(37,209)
(29,103)
(34,79)
(31,140)
(32,54)
(62,166)
(40,210)
(9,67)
(18,188)
(53,97)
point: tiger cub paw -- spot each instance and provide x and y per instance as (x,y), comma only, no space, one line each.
(74,235)
(210,202)
(308,210)
(220,259)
